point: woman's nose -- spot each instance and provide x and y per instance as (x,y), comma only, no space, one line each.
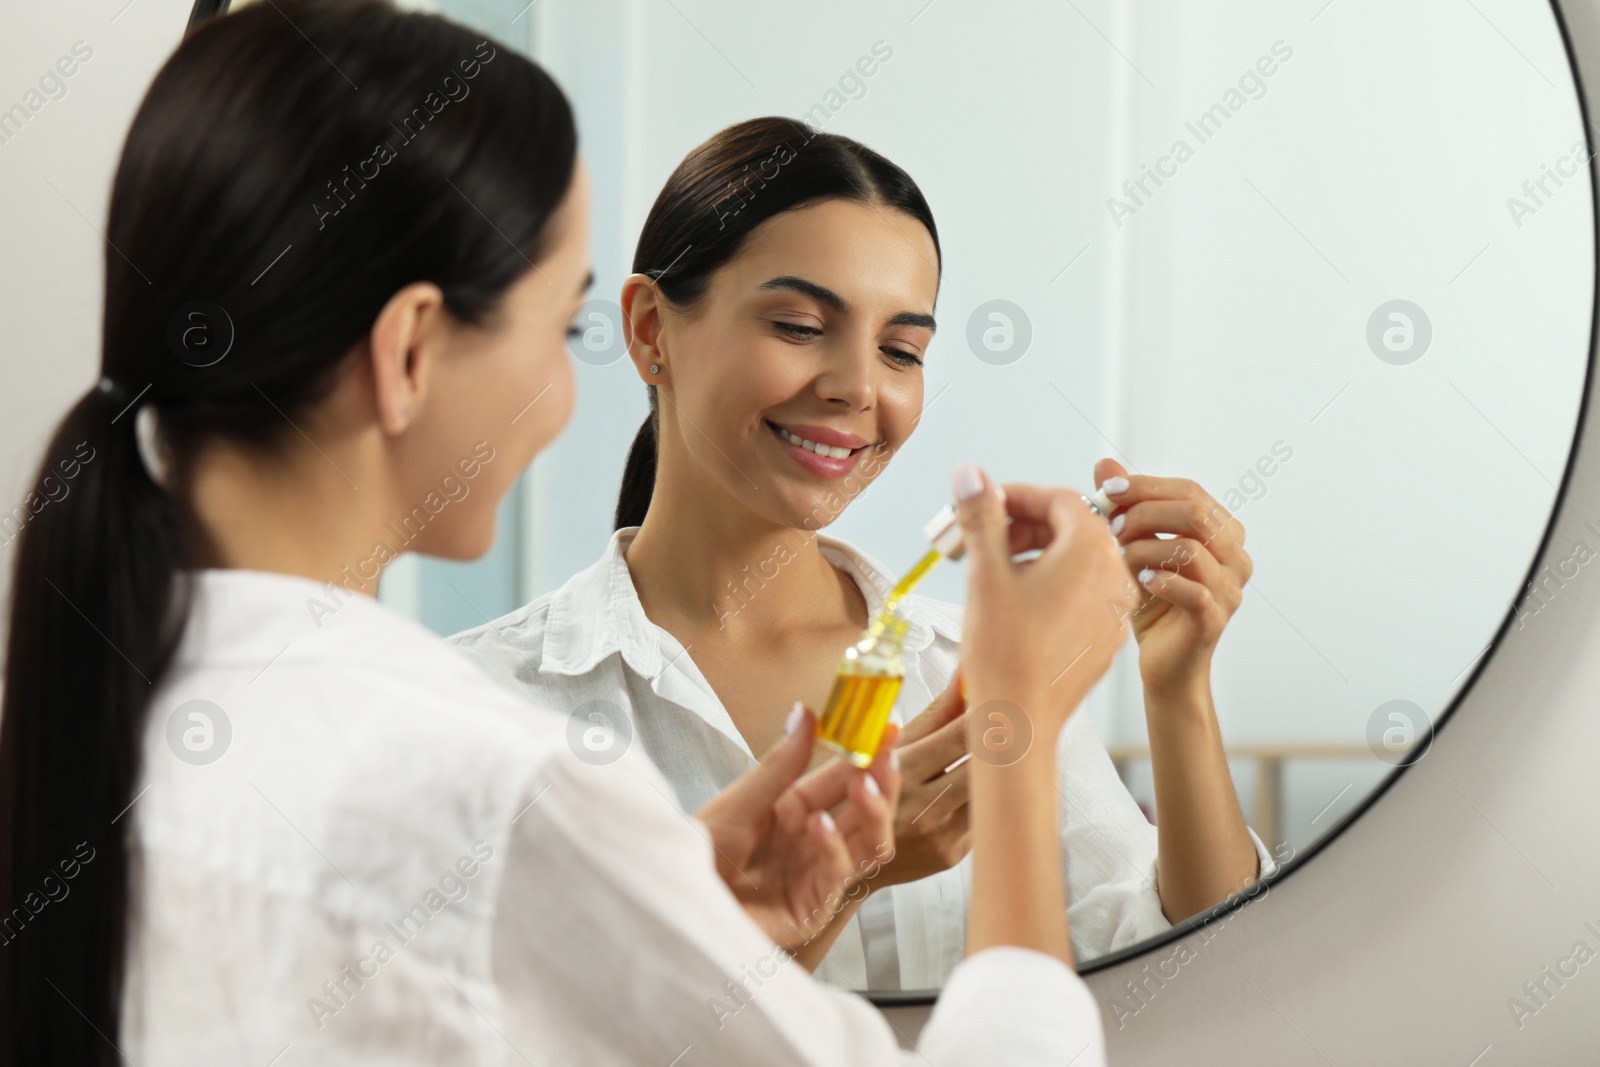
(850,379)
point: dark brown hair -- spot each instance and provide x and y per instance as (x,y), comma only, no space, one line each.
(720,193)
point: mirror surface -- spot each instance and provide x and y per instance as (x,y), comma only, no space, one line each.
(1334,262)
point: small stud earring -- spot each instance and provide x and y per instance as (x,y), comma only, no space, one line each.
(655,368)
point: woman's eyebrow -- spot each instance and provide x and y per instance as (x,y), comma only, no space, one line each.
(913,318)
(835,301)
(811,289)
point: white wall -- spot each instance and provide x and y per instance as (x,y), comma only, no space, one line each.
(1374,163)
(1372,167)
(55,180)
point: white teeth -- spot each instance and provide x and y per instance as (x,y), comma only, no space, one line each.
(812,446)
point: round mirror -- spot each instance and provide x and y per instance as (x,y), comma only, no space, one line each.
(1330,264)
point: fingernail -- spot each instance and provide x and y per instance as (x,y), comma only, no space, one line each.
(1145,576)
(1118,523)
(827,822)
(966,481)
(1115,485)
(872,787)
(796,713)
(894,759)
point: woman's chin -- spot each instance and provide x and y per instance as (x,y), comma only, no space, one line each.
(464,543)
(811,509)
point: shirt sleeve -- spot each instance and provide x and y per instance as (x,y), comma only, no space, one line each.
(615,941)
(1110,849)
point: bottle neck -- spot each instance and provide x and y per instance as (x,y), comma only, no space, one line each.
(887,631)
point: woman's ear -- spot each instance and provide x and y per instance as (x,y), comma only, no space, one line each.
(405,340)
(642,306)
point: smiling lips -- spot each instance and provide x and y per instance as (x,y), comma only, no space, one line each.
(824,452)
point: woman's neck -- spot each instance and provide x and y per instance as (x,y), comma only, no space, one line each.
(702,569)
(296,515)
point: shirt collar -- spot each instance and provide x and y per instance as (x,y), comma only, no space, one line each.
(249,615)
(597,612)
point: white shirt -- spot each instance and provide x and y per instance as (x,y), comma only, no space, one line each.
(393,861)
(590,641)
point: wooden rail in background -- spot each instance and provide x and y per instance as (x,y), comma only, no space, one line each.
(1269,760)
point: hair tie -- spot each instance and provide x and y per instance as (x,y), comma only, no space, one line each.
(146,430)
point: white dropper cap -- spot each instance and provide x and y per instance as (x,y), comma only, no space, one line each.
(943,531)
(1100,502)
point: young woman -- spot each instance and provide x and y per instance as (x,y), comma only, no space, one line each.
(780,311)
(247,814)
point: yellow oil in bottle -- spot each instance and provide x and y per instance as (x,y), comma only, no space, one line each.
(857,714)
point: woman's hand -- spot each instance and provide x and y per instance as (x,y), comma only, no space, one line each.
(1204,848)
(1198,581)
(1038,635)
(931,829)
(932,832)
(788,859)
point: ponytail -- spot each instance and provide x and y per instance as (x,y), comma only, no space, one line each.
(93,627)
(639,474)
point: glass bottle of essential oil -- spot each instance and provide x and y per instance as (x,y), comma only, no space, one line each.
(870,675)
(869,678)
(864,691)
